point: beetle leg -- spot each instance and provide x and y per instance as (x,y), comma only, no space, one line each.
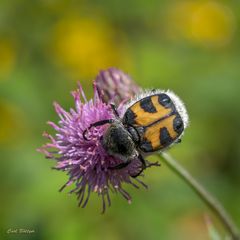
(157,164)
(144,166)
(121,165)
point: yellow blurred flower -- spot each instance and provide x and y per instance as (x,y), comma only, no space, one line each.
(11,123)
(208,23)
(83,46)
(7,57)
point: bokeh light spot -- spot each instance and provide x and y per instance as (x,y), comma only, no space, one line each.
(12,123)
(7,57)
(83,45)
(206,23)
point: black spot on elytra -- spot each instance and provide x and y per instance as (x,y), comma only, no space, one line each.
(178,125)
(164,100)
(165,138)
(129,117)
(147,105)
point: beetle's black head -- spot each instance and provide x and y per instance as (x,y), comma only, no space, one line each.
(118,142)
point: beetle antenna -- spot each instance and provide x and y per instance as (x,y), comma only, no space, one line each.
(114,110)
(96,124)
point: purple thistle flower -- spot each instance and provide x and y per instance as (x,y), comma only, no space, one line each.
(115,86)
(87,162)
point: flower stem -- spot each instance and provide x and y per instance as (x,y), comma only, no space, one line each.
(211,201)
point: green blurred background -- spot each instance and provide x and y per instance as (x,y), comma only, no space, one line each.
(191,47)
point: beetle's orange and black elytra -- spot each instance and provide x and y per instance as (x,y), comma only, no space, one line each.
(152,121)
(147,105)
(156,120)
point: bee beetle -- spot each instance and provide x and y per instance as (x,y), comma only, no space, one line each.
(152,121)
